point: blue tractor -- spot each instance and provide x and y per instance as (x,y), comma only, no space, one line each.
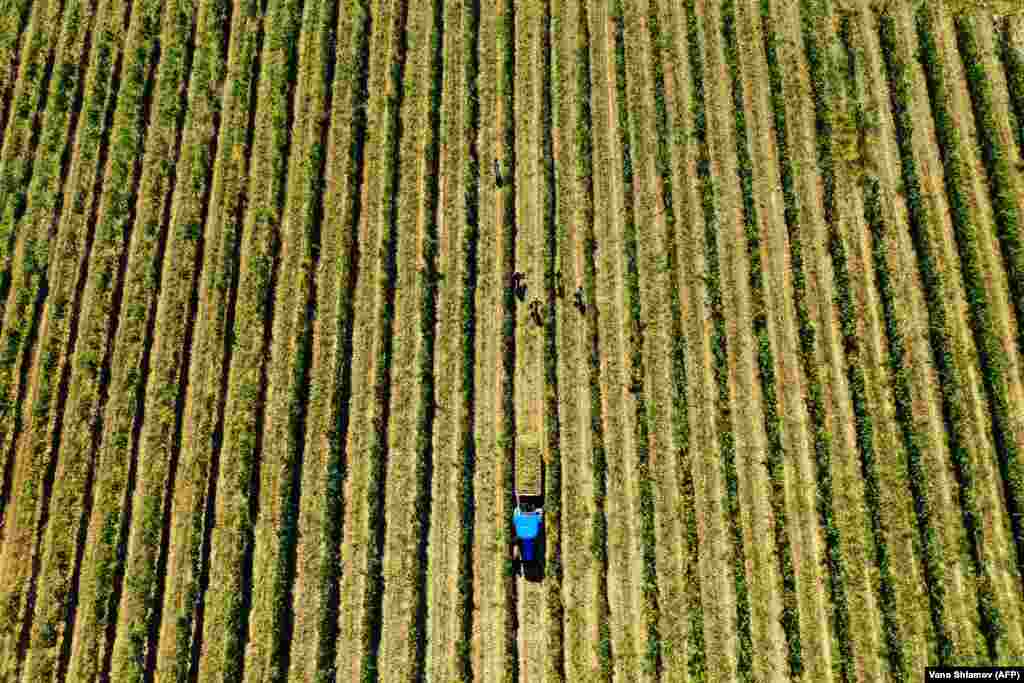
(528,518)
(529,523)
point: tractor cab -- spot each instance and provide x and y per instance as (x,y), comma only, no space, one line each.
(528,520)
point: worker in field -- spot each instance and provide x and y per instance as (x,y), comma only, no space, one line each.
(578,303)
(559,287)
(636,380)
(497,173)
(535,313)
(519,286)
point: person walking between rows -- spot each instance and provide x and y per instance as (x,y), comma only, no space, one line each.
(518,286)
(578,303)
(535,313)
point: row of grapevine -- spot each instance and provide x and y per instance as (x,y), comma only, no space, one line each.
(713,281)
(21,293)
(138,606)
(134,331)
(1002,186)
(310,430)
(273,612)
(668,133)
(554,665)
(346,212)
(865,524)
(656,285)
(208,205)
(991,354)
(812,14)
(108,260)
(229,596)
(67,524)
(766,364)
(864,426)
(13,22)
(18,138)
(897,72)
(426,401)
(627,618)
(443,540)
(509,233)
(1004,195)
(880,220)
(41,229)
(238,509)
(1013,65)
(899,367)
(399,615)
(798,277)
(385,303)
(467,269)
(30,98)
(638,373)
(487,561)
(585,221)
(71,499)
(368,295)
(577,572)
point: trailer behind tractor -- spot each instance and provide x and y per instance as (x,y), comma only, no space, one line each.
(528,518)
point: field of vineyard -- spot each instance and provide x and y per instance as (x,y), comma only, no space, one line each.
(264,377)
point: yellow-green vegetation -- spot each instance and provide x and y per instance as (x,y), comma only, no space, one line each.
(266,393)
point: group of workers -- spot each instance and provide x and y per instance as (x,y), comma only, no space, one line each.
(519,290)
(518,279)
